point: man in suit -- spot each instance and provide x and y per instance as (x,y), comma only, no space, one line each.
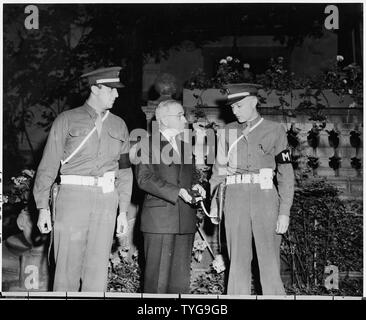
(168,221)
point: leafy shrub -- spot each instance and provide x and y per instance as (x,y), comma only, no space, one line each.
(124,273)
(324,230)
(209,282)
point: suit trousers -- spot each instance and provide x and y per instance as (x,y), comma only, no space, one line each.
(252,211)
(167,262)
(83,235)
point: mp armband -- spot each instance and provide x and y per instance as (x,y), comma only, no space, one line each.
(283,157)
(124,161)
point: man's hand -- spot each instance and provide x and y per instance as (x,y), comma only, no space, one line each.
(122,225)
(282,224)
(44,221)
(200,190)
(183,193)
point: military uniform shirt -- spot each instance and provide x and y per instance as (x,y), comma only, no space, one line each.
(99,154)
(252,153)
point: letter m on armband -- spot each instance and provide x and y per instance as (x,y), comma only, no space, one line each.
(283,157)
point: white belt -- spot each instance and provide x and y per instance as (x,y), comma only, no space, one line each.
(106,182)
(243,178)
(264,178)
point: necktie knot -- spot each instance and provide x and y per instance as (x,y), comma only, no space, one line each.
(173,142)
(246,130)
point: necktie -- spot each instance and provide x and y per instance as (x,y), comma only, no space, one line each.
(173,142)
(98,124)
(246,130)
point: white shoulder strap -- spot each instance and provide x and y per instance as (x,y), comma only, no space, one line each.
(237,140)
(83,142)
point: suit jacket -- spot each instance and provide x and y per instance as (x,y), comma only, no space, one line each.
(163,210)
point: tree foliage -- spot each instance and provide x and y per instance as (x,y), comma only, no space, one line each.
(42,67)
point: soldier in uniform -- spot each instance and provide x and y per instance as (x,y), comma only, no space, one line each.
(252,153)
(168,222)
(92,146)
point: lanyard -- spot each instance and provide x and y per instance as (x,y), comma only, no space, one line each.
(83,142)
(237,140)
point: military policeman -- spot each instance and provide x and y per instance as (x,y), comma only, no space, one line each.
(252,153)
(92,146)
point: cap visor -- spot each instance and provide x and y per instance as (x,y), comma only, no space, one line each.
(114,85)
(237,99)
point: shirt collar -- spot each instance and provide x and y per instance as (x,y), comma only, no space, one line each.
(169,133)
(91,111)
(251,122)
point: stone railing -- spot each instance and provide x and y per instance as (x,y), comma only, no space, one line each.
(347,122)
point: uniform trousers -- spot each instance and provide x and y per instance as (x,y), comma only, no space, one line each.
(168,262)
(83,235)
(251,211)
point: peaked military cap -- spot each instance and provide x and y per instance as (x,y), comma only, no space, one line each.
(106,76)
(239,91)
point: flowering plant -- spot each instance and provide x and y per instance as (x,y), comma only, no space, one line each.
(229,70)
(218,264)
(199,247)
(277,77)
(209,282)
(124,272)
(343,80)
(20,189)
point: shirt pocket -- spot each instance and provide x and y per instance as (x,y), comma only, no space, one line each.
(265,155)
(75,138)
(115,142)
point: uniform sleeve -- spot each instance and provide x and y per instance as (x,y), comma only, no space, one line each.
(285,175)
(50,163)
(149,180)
(124,174)
(219,169)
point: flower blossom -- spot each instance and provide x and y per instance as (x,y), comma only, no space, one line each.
(219,264)
(29,173)
(200,245)
(246,65)
(229,58)
(223,61)
(340,58)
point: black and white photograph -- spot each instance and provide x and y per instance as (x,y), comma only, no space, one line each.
(186,150)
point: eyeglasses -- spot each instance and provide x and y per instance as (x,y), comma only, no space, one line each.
(175,115)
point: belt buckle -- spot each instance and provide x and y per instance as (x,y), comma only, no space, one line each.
(246,178)
(238,178)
